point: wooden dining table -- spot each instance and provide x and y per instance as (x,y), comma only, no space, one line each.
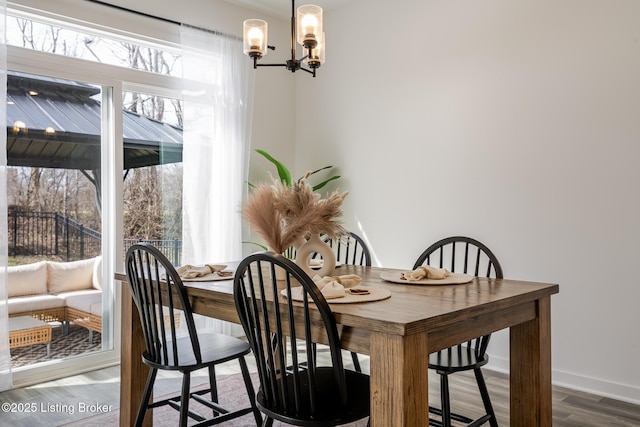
(398,333)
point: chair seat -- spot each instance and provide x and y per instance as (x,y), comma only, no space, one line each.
(456,360)
(328,412)
(215,348)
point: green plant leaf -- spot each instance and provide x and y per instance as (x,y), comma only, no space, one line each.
(263,247)
(283,172)
(319,170)
(323,183)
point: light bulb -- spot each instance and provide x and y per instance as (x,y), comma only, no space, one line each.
(310,25)
(255,37)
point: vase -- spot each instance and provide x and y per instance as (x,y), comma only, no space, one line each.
(312,246)
(289,253)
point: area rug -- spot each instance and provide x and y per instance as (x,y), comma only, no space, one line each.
(233,395)
(72,344)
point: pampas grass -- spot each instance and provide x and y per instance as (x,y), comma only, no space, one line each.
(264,218)
(282,214)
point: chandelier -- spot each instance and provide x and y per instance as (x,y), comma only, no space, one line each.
(306,29)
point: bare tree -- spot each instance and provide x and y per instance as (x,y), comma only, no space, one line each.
(142,201)
(53,190)
(26,28)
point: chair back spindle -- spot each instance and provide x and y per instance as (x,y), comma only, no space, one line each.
(350,249)
(461,255)
(162,303)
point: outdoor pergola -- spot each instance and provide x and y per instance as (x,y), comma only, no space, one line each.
(56,123)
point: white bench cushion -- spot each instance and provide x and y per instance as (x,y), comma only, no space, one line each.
(28,279)
(26,304)
(97,273)
(70,276)
(96,308)
(87,301)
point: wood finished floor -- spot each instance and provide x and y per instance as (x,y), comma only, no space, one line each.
(59,402)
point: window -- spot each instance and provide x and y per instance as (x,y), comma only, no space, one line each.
(94,74)
(54,201)
(152,194)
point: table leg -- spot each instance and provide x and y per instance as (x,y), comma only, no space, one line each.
(530,344)
(399,386)
(133,373)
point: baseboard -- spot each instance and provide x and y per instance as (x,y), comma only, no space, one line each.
(596,386)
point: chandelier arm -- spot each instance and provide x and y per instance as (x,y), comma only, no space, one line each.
(256,64)
(270,65)
(308,55)
(308,71)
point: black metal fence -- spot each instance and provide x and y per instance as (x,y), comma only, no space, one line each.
(172,249)
(53,234)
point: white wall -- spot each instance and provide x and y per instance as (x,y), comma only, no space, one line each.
(517,123)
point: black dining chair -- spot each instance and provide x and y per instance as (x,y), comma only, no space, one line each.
(294,387)
(162,303)
(350,249)
(462,255)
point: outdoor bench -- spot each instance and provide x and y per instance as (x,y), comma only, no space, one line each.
(58,291)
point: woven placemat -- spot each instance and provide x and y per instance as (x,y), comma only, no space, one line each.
(375,294)
(452,279)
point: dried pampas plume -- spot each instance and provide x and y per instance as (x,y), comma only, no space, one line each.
(282,214)
(264,218)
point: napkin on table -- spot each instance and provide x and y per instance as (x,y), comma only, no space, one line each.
(333,290)
(191,272)
(426,272)
(334,286)
(346,280)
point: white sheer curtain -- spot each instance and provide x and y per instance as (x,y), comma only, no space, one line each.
(217,120)
(5,357)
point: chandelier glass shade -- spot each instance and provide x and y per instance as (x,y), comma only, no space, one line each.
(306,30)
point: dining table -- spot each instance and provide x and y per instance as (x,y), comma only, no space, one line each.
(398,333)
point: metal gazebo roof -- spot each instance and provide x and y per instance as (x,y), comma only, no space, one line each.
(62,127)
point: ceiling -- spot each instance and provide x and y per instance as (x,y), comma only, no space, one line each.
(283,7)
